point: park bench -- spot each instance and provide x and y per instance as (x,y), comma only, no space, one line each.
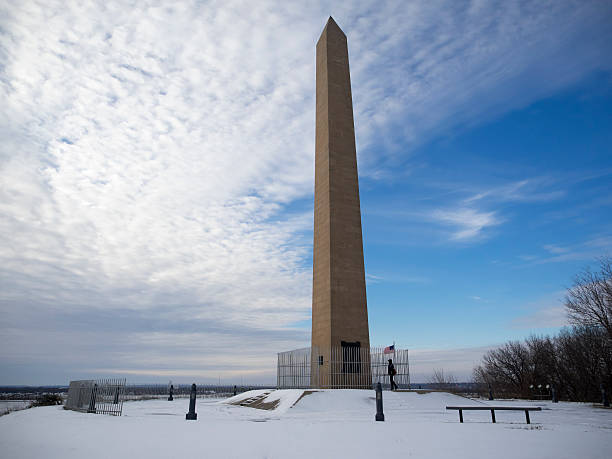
(492,409)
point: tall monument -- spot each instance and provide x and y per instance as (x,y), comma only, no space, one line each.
(339,309)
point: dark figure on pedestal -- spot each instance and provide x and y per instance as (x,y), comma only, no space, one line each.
(392,373)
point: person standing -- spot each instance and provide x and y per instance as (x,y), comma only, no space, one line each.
(392,373)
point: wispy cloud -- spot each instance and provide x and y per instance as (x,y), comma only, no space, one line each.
(590,249)
(470,209)
(545,312)
(397,278)
(550,316)
(452,64)
(527,190)
(467,223)
(555,249)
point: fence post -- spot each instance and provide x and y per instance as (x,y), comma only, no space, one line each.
(192,415)
(92,399)
(170,397)
(379,403)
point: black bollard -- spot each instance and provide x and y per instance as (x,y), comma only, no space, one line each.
(192,415)
(490,392)
(234,390)
(379,405)
(170,397)
(554,397)
(92,400)
(604,396)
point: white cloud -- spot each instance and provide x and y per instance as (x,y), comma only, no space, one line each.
(469,216)
(396,278)
(555,249)
(468,223)
(527,190)
(442,64)
(547,316)
(149,151)
(372,279)
(590,249)
(547,311)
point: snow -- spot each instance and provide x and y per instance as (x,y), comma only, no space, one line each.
(285,398)
(6,406)
(334,424)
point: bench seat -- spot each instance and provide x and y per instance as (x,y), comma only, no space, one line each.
(492,409)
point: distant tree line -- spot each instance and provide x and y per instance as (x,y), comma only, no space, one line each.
(577,362)
(440,380)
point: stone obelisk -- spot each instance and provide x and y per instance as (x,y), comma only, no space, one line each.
(339,307)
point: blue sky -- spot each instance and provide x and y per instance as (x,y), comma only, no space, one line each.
(156,179)
(537,180)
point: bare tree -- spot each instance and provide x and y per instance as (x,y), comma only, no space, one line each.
(585,363)
(543,360)
(576,362)
(441,380)
(589,301)
(507,368)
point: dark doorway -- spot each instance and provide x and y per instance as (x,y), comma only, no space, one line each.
(351,357)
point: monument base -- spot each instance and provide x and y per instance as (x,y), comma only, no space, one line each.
(339,368)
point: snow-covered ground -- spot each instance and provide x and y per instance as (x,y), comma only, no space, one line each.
(325,424)
(6,406)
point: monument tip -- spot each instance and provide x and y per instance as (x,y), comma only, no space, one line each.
(331,23)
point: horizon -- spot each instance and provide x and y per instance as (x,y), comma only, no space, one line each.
(158,173)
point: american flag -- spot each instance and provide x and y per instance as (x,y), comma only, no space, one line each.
(389,349)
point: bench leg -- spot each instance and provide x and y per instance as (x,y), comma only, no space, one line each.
(493,416)
(460,415)
(527,416)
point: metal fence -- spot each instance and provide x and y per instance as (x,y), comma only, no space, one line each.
(102,396)
(379,362)
(341,367)
(293,369)
(146,391)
